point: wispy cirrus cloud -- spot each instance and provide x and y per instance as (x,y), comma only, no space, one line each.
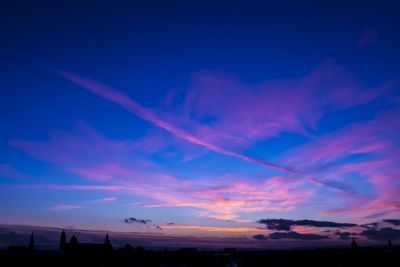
(215,102)
(226,202)
(214,228)
(211,109)
(65,207)
(220,202)
(87,154)
(85,204)
(365,152)
(223,100)
(146,114)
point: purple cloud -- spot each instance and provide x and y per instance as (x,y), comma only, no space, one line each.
(146,114)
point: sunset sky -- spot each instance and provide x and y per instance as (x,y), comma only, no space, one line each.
(198,118)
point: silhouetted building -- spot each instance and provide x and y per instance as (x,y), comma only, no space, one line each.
(128,248)
(73,247)
(17,250)
(354,244)
(389,245)
(31,246)
(73,243)
(63,241)
(107,243)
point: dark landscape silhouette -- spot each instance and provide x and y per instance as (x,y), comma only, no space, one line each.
(75,253)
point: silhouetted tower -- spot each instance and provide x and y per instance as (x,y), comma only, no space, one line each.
(354,244)
(63,241)
(73,243)
(31,245)
(107,243)
(390,245)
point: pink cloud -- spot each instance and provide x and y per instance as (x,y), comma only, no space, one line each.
(79,187)
(371,137)
(227,202)
(146,114)
(87,153)
(230,115)
(227,111)
(383,203)
(263,109)
(63,147)
(375,145)
(102,200)
(83,204)
(65,207)
(215,228)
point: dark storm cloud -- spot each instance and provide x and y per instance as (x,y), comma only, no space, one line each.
(285,225)
(134,220)
(260,237)
(295,235)
(382,234)
(345,235)
(392,221)
(290,235)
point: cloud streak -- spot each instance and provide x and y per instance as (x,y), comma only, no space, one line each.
(65,207)
(214,228)
(62,207)
(134,107)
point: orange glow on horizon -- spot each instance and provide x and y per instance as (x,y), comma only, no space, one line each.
(215,228)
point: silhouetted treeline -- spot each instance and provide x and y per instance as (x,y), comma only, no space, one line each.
(74,253)
(129,256)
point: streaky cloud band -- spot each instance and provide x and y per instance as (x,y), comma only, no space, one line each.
(134,107)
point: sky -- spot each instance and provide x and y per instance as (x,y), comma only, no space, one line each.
(272,122)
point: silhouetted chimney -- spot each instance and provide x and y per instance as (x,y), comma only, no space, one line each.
(63,241)
(107,242)
(31,245)
(390,245)
(354,244)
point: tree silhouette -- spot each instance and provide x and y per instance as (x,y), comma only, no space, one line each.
(107,243)
(63,241)
(354,244)
(31,245)
(73,243)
